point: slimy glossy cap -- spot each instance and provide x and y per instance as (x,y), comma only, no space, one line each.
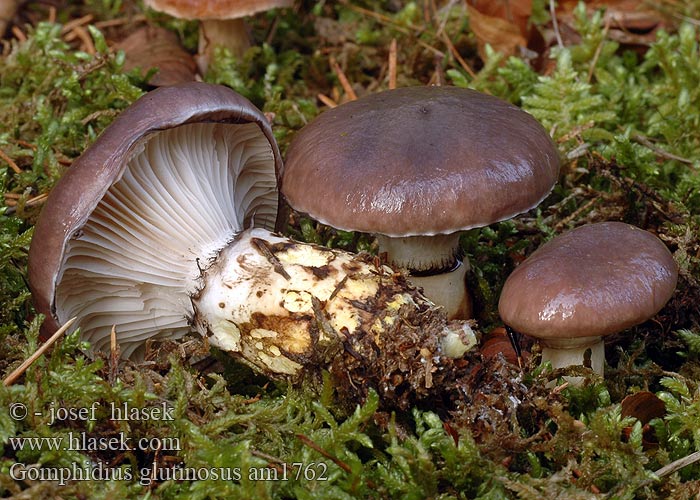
(419,161)
(592,281)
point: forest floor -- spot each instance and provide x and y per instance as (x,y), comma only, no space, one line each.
(616,84)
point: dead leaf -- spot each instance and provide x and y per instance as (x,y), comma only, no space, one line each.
(630,22)
(644,406)
(496,342)
(515,12)
(8,9)
(504,36)
(155,47)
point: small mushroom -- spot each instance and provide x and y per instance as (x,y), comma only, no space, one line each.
(163,225)
(222,23)
(585,284)
(416,166)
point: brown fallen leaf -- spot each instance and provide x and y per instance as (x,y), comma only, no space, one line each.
(644,406)
(630,22)
(155,47)
(8,9)
(515,12)
(501,34)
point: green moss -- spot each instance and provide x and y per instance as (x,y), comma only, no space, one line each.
(626,127)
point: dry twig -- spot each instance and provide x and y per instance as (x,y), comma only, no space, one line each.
(598,49)
(10,162)
(73,23)
(16,374)
(308,442)
(109,23)
(660,152)
(455,53)
(344,82)
(392,63)
(555,23)
(327,100)
(19,34)
(85,39)
(114,354)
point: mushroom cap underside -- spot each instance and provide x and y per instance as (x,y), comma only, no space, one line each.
(134,212)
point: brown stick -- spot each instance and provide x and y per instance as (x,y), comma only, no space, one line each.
(81,21)
(392,64)
(660,152)
(19,34)
(678,464)
(114,353)
(87,43)
(327,100)
(457,56)
(308,442)
(10,162)
(344,82)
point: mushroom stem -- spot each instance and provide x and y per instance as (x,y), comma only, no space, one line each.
(587,351)
(448,290)
(434,265)
(231,34)
(282,305)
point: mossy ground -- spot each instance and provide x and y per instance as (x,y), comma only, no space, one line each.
(627,122)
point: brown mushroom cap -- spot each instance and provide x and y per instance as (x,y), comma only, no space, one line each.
(214,9)
(592,281)
(419,161)
(148,238)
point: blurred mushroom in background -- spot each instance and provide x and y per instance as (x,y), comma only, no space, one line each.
(153,47)
(221,22)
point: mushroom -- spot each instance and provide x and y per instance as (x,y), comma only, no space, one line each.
(416,166)
(153,47)
(222,23)
(174,178)
(163,226)
(585,284)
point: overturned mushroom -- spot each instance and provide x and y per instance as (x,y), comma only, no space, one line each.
(148,231)
(585,284)
(416,166)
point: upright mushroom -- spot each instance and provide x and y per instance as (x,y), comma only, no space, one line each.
(590,282)
(416,166)
(222,23)
(148,232)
